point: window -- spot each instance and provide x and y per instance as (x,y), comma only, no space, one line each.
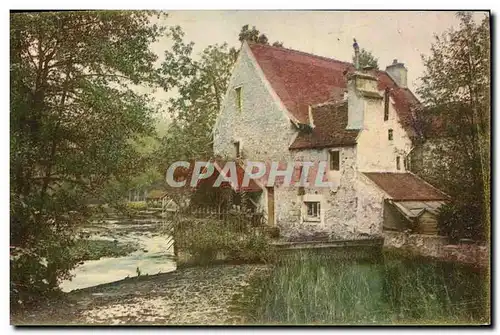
(313,210)
(390,134)
(238,98)
(398,163)
(386,104)
(237,149)
(334,160)
(407,163)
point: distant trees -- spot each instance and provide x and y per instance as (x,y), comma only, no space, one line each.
(74,121)
(366,58)
(255,36)
(455,93)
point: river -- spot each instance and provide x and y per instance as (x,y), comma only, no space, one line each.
(155,252)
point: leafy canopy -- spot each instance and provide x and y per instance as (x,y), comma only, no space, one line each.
(74,119)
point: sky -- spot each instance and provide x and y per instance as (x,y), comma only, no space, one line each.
(389,35)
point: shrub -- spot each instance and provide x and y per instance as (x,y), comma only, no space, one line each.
(137,205)
(205,239)
(462,220)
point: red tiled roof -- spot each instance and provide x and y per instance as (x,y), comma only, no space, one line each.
(301,79)
(330,122)
(406,186)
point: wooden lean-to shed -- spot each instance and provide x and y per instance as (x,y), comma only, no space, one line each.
(411,203)
(420,216)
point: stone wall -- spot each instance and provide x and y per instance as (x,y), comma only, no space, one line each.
(265,133)
(370,207)
(261,126)
(436,247)
(338,203)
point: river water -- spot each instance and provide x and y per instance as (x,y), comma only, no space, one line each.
(155,252)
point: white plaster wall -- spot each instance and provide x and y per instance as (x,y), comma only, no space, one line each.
(262,126)
(375,152)
(370,209)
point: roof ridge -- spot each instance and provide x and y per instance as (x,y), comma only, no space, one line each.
(379,71)
(300,52)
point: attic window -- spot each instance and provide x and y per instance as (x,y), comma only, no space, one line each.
(390,134)
(239,104)
(334,160)
(386,104)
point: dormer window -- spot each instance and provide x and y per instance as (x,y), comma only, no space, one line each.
(386,104)
(334,160)
(239,103)
(390,134)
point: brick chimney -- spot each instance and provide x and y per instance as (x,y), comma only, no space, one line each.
(399,73)
(361,87)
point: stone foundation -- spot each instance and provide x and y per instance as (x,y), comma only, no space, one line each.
(437,247)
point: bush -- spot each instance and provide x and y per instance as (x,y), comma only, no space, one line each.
(459,221)
(137,205)
(205,239)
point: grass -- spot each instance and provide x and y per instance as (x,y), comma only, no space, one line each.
(310,290)
(85,249)
(205,240)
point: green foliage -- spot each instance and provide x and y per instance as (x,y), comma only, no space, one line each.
(455,93)
(137,205)
(201,84)
(461,221)
(204,239)
(307,289)
(253,35)
(74,121)
(366,58)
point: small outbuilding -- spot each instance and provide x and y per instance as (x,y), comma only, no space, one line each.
(410,202)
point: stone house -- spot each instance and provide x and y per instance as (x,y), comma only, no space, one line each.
(287,105)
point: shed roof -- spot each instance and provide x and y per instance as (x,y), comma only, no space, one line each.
(406,186)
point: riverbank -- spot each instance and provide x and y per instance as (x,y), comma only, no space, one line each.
(196,295)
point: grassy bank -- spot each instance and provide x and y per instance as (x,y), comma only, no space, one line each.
(94,249)
(312,290)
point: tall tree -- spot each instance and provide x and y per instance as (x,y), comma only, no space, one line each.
(456,94)
(201,82)
(366,58)
(74,119)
